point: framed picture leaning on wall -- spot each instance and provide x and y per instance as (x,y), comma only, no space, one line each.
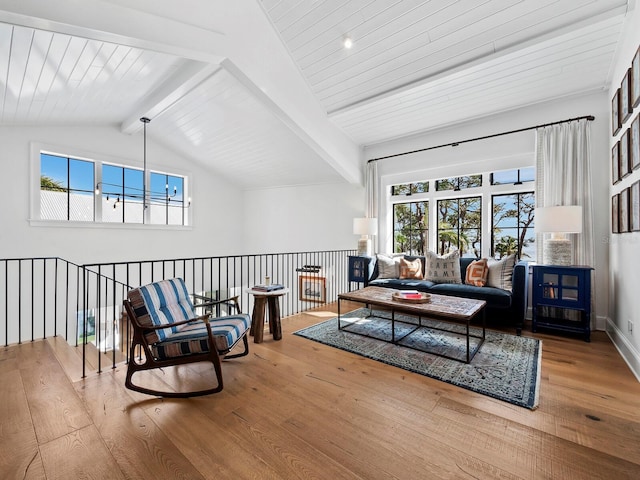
(312,289)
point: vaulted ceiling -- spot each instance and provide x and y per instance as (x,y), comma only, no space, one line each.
(264,93)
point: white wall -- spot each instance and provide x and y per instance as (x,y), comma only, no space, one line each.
(624,273)
(216,206)
(304,218)
(509,151)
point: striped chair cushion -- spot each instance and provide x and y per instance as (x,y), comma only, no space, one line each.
(166,302)
(192,338)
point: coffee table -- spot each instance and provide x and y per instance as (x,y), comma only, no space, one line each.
(455,310)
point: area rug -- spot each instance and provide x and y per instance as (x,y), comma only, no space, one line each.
(506,367)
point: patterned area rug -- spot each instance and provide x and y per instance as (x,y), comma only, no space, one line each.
(506,367)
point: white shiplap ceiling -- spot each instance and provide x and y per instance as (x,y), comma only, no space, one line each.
(415,65)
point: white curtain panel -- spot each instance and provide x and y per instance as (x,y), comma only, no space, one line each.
(563,177)
(371,192)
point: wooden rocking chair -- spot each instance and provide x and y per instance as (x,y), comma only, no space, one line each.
(167,332)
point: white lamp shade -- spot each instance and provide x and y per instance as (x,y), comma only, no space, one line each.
(560,219)
(365,226)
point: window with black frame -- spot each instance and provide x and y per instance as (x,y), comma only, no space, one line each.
(67,187)
(69,191)
(516,176)
(512,225)
(411,227)
(458,183)
(460,226)
(410,188)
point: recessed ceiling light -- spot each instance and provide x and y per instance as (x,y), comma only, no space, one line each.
(347,42)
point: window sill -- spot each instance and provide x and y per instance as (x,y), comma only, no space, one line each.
(100,225)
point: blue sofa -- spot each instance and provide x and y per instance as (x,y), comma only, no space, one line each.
(503,306)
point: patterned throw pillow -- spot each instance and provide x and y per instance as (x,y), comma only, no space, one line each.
(501,272)
(411,269)
(477,273)
(389,265)
(444,269)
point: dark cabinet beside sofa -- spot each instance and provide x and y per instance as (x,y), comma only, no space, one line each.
(360,269)
(561,299)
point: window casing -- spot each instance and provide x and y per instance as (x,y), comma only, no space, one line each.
(456,222)
(82,190)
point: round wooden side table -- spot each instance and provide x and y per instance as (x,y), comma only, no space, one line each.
(262,301)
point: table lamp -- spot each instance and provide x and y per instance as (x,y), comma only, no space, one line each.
(558,221)
(365,227)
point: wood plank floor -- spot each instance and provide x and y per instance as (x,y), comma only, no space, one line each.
(296,409)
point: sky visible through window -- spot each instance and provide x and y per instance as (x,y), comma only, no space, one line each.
(70,184)
(80,176)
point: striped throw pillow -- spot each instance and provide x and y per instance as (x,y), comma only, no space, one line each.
(477,273)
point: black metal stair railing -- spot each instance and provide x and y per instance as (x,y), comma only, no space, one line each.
(49,296)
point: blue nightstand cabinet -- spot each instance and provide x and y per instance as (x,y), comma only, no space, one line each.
(359,269)
(562,299)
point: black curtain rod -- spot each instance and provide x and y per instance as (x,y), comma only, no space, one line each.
(455,144)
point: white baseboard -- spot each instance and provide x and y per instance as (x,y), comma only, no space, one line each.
(627,351)
(601,323)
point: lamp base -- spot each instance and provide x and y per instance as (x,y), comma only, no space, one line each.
(557,251)
(364,247)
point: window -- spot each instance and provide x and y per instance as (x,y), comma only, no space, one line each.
(122,194)
(72,189)
(411,227)
(516,177)
(167,199)
(66,189)
(410,188)
(460,226)
(512,225)
(458,183)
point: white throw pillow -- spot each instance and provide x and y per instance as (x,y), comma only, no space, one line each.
(389,265)
(501,272)
(445,269)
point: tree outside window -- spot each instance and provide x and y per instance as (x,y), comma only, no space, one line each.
(410,188)
(458,183)
(411,227)
(460,226)
(512,225)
